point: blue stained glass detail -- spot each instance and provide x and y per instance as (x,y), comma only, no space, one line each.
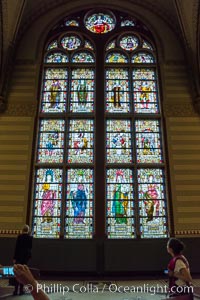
(56,58)
(79,204)
(83,57)
(129,43)
(71,42)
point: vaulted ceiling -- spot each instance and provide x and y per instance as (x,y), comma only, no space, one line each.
(183,16)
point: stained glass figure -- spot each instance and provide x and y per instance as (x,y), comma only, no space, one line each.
(120,203)
(71,42)
(47,204)
(56,58)
(129,42)
(111,45)
(82,90)
(51,141)
(127,23)
(143,58)
(88,45)
(54,90)
(100,23)
(83,57)
(145,91)
(147,45)
(52,45)
(148,141)
(81,144)
(151,194)
(118,141)
(79,204)
(117,90)
(116,57)
(72,23)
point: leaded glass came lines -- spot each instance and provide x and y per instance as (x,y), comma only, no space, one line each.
(151,194)
(120,205)
(79,203)
(47,203)
(81,141)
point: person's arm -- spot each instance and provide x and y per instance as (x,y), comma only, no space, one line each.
(25,277)
(182,272)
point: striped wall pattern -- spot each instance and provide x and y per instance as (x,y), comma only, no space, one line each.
(16,136)
(184,157)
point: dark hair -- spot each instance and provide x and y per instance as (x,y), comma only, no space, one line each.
(176,245)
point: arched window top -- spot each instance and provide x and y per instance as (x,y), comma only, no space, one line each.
(70,42)
(100,22)
(116,57)
(56,57)
(83,57)
(131,42)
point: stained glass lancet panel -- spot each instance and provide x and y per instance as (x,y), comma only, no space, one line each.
(145,91)
(81,141)
(118,141)
(148,141)
(79,204)
(47,203)
(82,90)
(152,204)
(54,92)
(117,90)
(120,204)
(51,141)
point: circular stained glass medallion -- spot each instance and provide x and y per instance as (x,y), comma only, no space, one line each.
(71,42)
(129,42)
(100,23)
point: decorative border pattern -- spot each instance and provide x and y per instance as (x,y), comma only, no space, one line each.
(10,231)
(187,232)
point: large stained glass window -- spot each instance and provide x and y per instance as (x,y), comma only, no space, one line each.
(99,164)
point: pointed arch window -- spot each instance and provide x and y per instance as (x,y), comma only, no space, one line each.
(99,141)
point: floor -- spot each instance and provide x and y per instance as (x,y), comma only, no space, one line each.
(98,290)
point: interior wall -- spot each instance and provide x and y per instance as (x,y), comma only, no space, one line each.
(182,126)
